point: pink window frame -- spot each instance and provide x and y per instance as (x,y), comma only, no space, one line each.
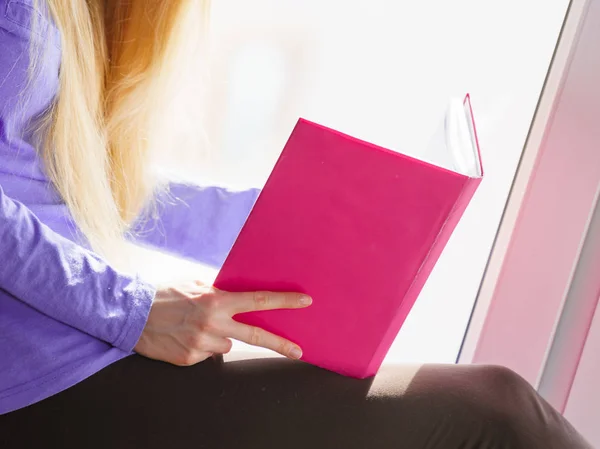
(548,212)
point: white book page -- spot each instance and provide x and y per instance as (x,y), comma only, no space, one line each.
(454,146)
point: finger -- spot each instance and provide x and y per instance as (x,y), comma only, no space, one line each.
(209,343)
(218,345)
(189,358)
(256,336)
(256,301)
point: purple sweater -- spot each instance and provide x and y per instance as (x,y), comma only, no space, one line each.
(64,312)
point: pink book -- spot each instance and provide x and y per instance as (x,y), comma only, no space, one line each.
(358,228)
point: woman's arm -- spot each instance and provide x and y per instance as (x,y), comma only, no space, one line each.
(197,223)
(37,265)
(67,282)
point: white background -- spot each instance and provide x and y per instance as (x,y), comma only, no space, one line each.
(383,71)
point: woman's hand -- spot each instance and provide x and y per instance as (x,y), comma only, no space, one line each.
(191,322)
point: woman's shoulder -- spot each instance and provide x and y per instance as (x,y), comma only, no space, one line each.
(28,19)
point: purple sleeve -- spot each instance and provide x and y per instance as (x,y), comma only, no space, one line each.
(197,223)
(67,282)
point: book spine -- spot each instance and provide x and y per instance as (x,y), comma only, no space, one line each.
(460,205)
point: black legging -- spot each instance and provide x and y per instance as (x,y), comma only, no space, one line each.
(275,403)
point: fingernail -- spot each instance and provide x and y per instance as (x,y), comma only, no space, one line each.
(296,353)
(306,300)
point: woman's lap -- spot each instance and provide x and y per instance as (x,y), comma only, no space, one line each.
(276,403)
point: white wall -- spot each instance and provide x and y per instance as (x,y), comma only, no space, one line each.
(383,70)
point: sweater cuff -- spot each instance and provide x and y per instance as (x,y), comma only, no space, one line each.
(141,297)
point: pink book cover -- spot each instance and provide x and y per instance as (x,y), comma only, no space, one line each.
(358,228)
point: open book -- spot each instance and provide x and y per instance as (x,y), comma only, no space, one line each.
(359,228)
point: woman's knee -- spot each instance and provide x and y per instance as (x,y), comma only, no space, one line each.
(499,392)
(501,383)
(486,387)
(514,411)
(471,405)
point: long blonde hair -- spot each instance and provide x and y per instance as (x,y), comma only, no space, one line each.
(120,62)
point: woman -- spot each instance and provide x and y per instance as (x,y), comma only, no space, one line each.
(82,87)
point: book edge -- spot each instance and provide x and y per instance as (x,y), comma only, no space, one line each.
(380,148)
(469,187)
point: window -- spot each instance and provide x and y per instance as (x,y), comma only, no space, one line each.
(382,71)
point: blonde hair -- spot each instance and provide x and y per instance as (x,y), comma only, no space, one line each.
(120,63)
